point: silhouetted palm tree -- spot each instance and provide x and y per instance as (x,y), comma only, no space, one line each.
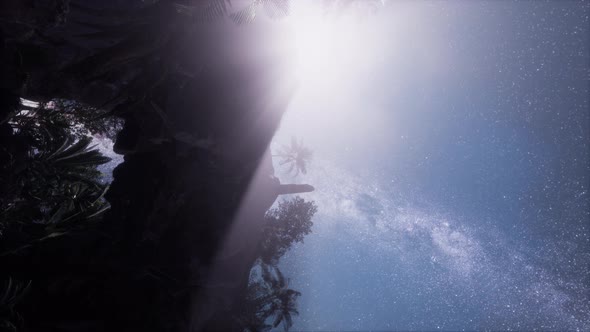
(268,299)
(283,299)
(252,316)
(296,155)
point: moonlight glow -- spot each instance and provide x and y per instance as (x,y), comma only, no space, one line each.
(332,54)
(329,48)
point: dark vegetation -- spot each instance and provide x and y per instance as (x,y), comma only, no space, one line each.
(49,180)
(296,156)
(268,301)
(171,243)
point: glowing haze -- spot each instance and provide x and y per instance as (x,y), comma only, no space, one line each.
(333,52)
(451,166)
(330,46)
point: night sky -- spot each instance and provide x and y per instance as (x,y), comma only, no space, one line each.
(452,172)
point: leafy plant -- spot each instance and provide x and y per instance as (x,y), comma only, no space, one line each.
(286,225)
(50,183)
(269,299)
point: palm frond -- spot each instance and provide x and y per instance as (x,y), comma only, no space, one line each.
(13,292)
(99,212)
(288,321)
(206,11)
(277,320)
(281,281)
(66,142)
(277,8)
(79,153)
(246,15)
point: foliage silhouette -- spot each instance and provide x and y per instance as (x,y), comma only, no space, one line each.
(268,301)
(50,183)
(170,204)
(286,225)
(284,300)
(296,156)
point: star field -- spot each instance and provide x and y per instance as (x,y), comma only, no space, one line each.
(462,203)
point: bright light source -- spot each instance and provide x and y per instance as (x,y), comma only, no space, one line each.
(336,53)
(329,47)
